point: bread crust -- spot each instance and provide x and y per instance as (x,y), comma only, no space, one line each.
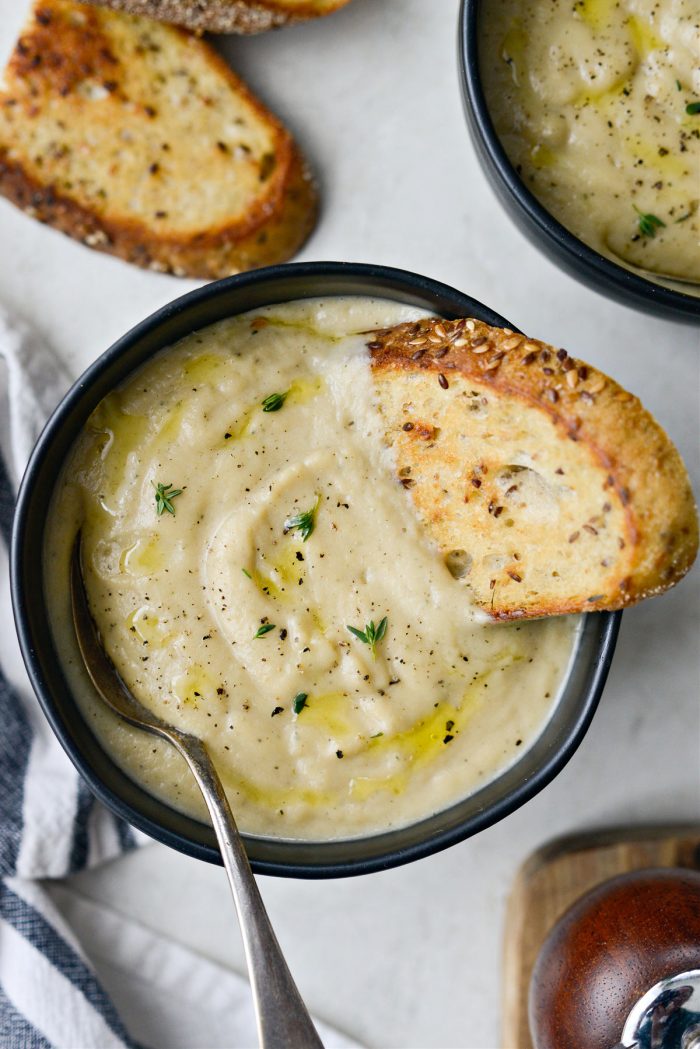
(272,230)
(223,16)
(583,413)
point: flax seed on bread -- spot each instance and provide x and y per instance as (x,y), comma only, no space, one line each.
(227,16)
(547,487)
(137,139)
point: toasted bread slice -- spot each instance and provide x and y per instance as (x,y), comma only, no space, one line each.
(137,139)
(546,486)
(228,16)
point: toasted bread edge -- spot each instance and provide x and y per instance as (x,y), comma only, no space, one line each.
(221,16)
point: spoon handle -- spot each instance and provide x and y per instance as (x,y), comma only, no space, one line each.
(282,1017)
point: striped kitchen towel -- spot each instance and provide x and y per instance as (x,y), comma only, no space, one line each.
(50,824)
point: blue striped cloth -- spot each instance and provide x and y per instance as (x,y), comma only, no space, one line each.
(50,824)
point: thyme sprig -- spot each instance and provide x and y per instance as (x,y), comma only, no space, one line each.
(692,109)
(371,635)
(274,401)
(299,702)
(304,522)
(165,493)
(648,223)
(262,630)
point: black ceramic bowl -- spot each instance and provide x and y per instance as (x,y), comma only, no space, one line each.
(628,286)
(534,770)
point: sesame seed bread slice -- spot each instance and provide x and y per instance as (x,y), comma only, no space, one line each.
(228,16)
(547,487)
(136,138)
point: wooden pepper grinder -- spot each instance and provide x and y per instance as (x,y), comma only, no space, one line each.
(622,967)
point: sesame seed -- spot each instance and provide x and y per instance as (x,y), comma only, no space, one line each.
(511,343)
(572,379)
(551,395)
(443,381)
(442,352)
(439,330)
(479,342)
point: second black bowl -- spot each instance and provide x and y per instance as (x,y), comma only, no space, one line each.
(576,258)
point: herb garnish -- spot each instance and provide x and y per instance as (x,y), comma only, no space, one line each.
(648,223)
(692,109)
(165,493)
(305,522)
(371,635)
(246,573)
(274,401)
(678,85)
(262,630)
(299,702)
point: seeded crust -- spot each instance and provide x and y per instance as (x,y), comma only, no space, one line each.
(227,16)
(547,487)
(138,140)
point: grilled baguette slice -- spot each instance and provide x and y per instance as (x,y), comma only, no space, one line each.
(546,486)
(228,16)
(137,139)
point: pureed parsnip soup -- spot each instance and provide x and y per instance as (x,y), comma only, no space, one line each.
(597,104)
(260,579)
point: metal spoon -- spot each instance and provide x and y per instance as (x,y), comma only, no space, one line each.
(282,1019)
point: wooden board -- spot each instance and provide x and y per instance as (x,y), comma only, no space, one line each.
(556,876)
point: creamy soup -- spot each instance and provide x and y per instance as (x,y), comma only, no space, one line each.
(597,103)
(260,579)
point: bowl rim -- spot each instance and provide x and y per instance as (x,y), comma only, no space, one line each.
(391,283)
(598,269)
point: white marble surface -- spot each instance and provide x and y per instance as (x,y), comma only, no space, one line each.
(409,957)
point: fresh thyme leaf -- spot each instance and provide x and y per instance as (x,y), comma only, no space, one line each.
(359,633)
(371,635)
(376,735)
(246,573)
(299,702)
(692,109)
(648,223)
(381,629)
(165,493)
(262,630)
(274,401)
(305,522)
(678,85)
